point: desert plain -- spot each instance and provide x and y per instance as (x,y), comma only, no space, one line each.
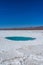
(21,52)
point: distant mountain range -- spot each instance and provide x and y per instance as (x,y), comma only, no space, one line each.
(25,28)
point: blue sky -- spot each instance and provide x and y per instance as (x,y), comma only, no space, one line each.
(21,13)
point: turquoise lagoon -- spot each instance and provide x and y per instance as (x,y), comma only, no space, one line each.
(17,38)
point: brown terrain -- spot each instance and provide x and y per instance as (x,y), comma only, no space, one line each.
(28,28)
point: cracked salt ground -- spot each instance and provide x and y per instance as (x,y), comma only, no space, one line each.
(32,49)
(23,61)
(21,53)
(22,58)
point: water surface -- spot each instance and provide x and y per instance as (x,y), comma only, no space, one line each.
(17,38)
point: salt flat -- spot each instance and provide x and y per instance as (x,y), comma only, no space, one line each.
(21,52)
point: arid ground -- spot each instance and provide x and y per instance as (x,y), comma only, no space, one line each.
(21,52)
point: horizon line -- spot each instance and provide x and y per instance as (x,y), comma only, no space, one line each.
(24,28)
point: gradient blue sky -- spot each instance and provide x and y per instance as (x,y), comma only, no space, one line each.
(21,13)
